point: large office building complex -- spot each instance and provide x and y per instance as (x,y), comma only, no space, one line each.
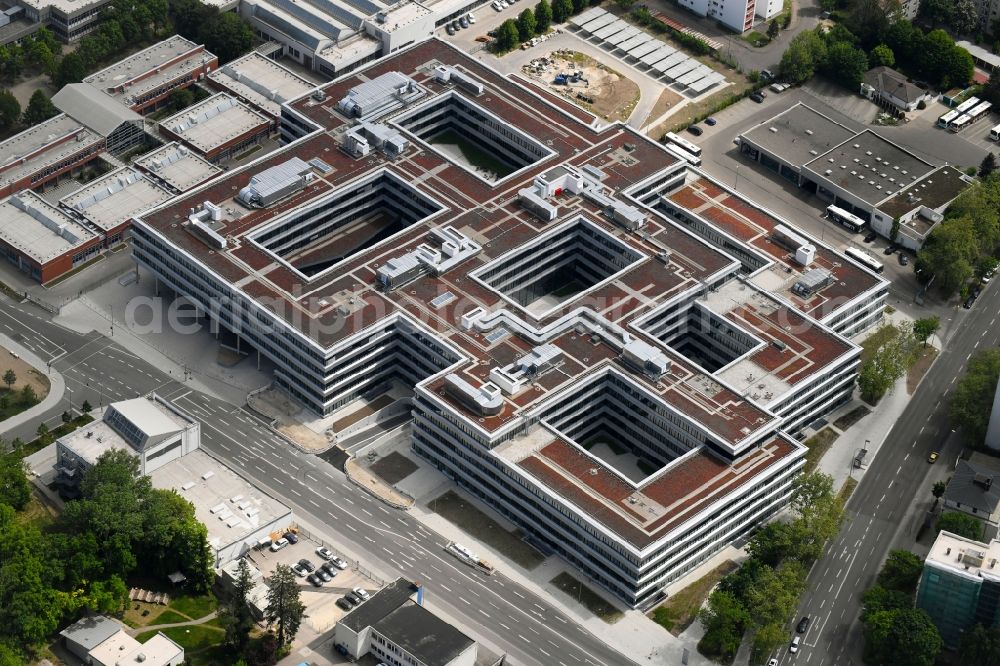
(610,348)
(960,586)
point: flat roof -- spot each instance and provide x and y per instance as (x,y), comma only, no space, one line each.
(94,440)
(212,488)
(403,14)
(215,121)
(261,81)
(38,229)
(89,632)
(937,189)
(43,145)
(382,602)
(869,167)
(116,198)
(129,79)
(424,635)
(159,650)
(979,52)
(65,6)
(966,557)
(178,166)
(798,134)
(114,647)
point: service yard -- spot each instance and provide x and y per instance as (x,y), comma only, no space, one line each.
(586,82)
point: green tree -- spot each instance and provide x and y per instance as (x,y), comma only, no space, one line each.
(10,110)
(979,645)
(991,91)
(40,108)
(805,54)
(949,254)
(961,524)
(882,55)
(937,12)
(773,29)
(526,25)
(15,489)
(507,36)
(42,431)
(870,20)
(561,10)
(885,361)
(235,612)
(901,572)
(28,396)
(9,378)
(846,65)
(10,656)
(543,17)
(227,36)
(181,98)
(902,637)
(973,398)
(964,17)
(878,599)
(925,328)
(725,619)
(284,605)
(86,408)
(71,69)
(579,6)
(937,490)
(988,165)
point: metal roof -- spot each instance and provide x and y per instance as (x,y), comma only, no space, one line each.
(89,106)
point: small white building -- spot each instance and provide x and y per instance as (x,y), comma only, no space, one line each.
(103,641)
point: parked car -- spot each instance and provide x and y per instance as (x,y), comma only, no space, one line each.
(329,568)
(350,600)
(339,563)
(968,302)
(793,647)
(803,625)
(299,570)
(987,276)
(773,662)
(903,259)
(324,552)
(361,594)
(710,121)
(766,74)
(314,579)
(279,544)
(757,97)
(322,575)
(889,249)
(464,22)
(344,604)
(455,25)
(470,18)
(932,458)
(353,598)
(450,30)
(694,129)
(496,5)
(870,236)
(292,537)
(976,291)
(307,565)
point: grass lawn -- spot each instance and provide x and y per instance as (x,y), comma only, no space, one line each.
(193,639)
(472,153)
(756,39)
(847,489)
(818,444)
(170,617)
(181,609)
(37,513)
(194,607)
(592,601)
(680,610)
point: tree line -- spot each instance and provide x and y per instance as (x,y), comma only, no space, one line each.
(889,352)
(873,34)
(761,596)
(78,564)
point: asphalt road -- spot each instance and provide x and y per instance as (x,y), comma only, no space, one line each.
(96,369)
(889,503)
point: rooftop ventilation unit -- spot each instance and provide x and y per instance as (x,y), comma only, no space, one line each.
(484,401)
(276,183)
(645,358)
(446,74)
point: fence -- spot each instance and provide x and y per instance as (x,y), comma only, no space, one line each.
(354,564)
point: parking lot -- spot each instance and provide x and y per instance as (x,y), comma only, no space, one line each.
(722,159)
(322,611)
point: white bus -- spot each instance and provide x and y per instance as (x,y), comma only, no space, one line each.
(683,143)
(865,259)
(693,160)
(979,112)
(848,220)
(946,119)
(995,133)
(967,105)
(960,123)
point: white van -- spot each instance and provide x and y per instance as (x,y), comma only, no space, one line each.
(794,647)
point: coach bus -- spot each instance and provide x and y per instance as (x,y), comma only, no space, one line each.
(995,133)
(865,259)
(980,111)
(849,221)
(960,123)
(967,105)
(683,143)
(693,160)
(947,118)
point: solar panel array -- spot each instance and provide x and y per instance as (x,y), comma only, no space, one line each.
(661,58)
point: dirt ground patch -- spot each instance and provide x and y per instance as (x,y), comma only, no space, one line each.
(737,85)
(818,444)
(375,405)
(600,89)
(668,99)
(593,602)
(919,368)
(477,524)
(680,610)
(26,376)
(852,417)
(393,468)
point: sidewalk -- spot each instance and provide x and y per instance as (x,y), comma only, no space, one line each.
(57,387)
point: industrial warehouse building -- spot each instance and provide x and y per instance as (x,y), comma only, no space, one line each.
(618,358)
(859,171)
